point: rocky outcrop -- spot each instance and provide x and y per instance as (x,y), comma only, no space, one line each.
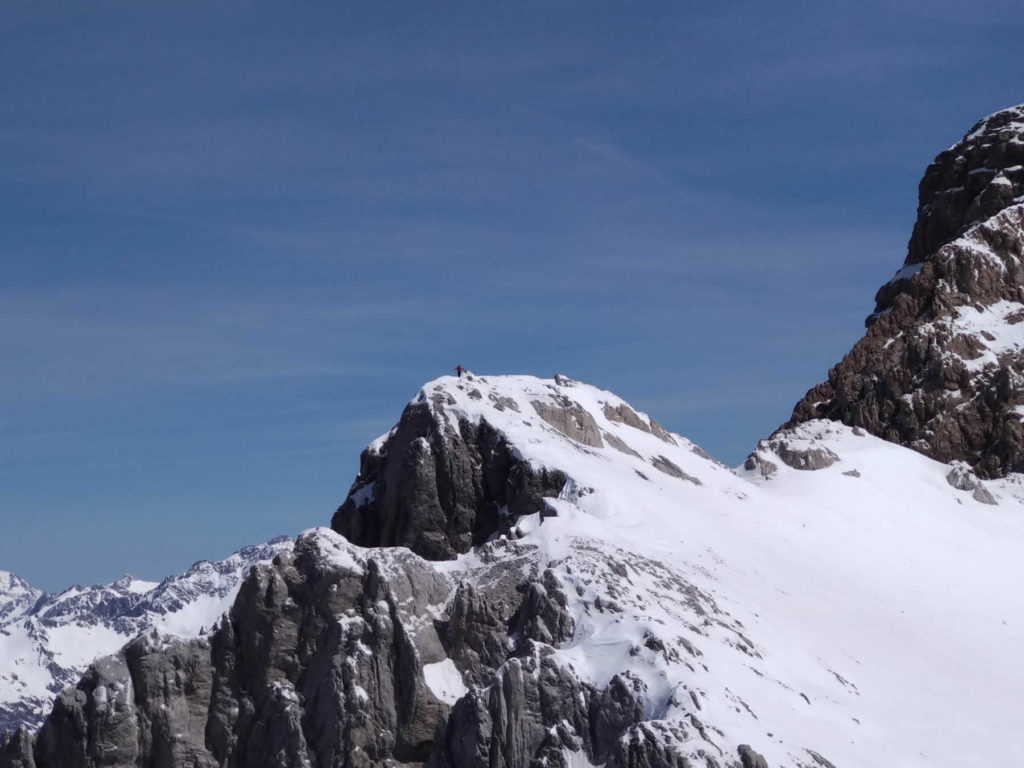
(801,447)
(751,759)
(440,486)
(145,706)
(16,749)
(526,652)
(531,711)
(40,662)
(281,682)
(571,419)
(623,414)
(969,182)
(325,660)
(323,656)
(666,465)
(941,367)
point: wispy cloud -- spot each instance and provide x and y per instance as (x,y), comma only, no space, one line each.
(88,340)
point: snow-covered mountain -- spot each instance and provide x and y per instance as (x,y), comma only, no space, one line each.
(599,592)
(829,602)
(48,641)
(16,596)
(530,572)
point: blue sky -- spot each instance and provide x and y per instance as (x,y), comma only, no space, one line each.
(235,238)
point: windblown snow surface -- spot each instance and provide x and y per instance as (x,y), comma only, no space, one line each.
(48,641)
(867,614)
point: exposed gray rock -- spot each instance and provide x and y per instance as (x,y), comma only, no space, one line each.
(501,402)
(283,681)
(145,706)
(662,433)
(93,724)
(619,444)
(819,760)
(982,494)
(623,414)
(533,711)
(292,680)
(571,419)
(476,631)
(757,462)
(543,615)
(322,661)
(852,473)
(510,723)
(650,745)
(804,457)
(751,759)
(113,613)
(961,477)
(617,708)
(439,488)
(16,749)
(665,465)
(794,451)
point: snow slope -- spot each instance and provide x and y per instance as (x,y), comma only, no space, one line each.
(863,614)
(47,641)
(867,613)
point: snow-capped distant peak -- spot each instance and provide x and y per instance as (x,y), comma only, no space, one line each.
(16,596)
(47,641)
(136,586)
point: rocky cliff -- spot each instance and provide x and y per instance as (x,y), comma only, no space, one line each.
(940,367)
(48,640)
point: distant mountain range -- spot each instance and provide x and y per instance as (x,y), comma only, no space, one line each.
(48,641)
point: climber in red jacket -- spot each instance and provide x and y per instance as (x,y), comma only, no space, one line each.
(459,369)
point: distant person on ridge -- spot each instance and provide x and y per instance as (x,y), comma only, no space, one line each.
(459,369)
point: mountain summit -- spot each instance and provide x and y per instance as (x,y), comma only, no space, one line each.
(941,367)
(531,572)
(450,474)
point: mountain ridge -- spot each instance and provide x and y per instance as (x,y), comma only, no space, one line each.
(48,640)
(659,609)
(529,572)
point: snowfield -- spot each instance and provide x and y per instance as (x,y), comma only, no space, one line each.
(868,611)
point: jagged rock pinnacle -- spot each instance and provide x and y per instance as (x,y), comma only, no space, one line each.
(941,367)
(971,181)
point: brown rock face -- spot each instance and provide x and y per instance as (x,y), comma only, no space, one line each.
(941,367)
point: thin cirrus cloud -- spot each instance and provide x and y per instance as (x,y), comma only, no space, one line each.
(237,238)
(91,341)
